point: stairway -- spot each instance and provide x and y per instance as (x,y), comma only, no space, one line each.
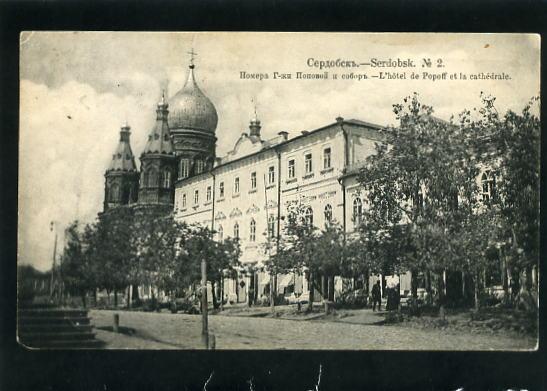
(50,327)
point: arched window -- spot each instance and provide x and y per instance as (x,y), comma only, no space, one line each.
(184,168)
(328,213)
(166,179)
(236,230)
(308,216)
(152,178)
(271,226)
(114,192)
(200,165)
(220,233)
(184,200)
(252,231)
(144,179)
(357,211)
(488,186)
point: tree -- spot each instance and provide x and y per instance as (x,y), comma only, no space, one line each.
(512,145)
(298,250)
(111,250)
(222,262)
(159,258)
(76,268)
(421,187)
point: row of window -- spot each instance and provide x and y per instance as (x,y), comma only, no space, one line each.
(184,167)
(184,170)
(252,229)
(150,178)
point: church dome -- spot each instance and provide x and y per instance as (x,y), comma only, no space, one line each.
(191,109)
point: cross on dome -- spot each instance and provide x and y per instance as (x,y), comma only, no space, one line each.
(192,55)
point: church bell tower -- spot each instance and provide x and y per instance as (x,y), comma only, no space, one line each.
(121,177)
(158,162)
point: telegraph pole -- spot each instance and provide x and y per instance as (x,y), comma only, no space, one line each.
(52,227)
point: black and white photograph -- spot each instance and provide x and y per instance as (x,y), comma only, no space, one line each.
(278,191)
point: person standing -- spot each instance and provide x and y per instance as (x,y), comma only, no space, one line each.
(376,296)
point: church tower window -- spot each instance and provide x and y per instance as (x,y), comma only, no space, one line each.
(200,165)
(184,168)
(114,192)
(166,179)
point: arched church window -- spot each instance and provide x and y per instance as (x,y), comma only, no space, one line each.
(252,231)
(184,168)
(166,179)
(236,230)
(152,178)
(200,165)
(114,192)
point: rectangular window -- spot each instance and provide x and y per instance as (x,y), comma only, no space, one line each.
(309,167)
(271,175)
(221,189)
(291,169)
(184,200)
(253,180)
(208,193)
(326,158)
(184,168)
(196,197)
(236,185)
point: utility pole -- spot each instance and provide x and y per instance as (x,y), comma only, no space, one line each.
(204,325)
(52,227)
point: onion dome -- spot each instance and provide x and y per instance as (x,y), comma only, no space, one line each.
(159,139)
(191,109)
(123,159)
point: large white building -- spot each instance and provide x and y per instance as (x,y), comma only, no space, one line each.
(245,194)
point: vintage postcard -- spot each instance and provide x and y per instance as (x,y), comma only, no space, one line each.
(223,190)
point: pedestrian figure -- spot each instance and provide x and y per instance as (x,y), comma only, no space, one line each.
(376,296)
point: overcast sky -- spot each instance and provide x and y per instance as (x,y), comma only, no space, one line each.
(77,89)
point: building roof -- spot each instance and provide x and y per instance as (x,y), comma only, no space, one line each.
(159,139)
(123,159)
(268,145)
(191,109)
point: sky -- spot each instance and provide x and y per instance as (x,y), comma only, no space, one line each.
(78,88)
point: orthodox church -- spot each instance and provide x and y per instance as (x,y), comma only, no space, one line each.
(183,136)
